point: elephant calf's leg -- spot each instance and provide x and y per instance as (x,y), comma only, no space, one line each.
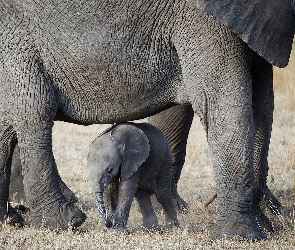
(127,189)
(149,218)
(165,197)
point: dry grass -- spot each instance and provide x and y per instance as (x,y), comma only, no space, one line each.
(196,186)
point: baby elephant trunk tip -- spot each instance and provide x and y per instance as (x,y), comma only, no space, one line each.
(108,223)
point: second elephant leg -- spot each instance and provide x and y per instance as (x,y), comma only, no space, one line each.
(175,124)
(7,143)
(223,102)
(263,106)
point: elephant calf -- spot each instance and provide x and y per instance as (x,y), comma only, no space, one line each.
(130,160)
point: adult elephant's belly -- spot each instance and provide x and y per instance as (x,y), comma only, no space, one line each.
(107,63)
(101,88)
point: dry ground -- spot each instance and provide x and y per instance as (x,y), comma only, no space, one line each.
(196,186)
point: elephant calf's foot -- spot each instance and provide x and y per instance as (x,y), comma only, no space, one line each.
(151,226)
(11,217)
(120,229)
(243,226)
(61,216)
(170,225)
(182,206)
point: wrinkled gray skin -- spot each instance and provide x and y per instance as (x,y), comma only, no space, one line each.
(16,186)
(97,62)
(136,159)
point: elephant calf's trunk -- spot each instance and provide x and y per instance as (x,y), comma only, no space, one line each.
(100,204)
(101,208)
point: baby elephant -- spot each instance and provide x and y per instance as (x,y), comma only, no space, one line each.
(130,160)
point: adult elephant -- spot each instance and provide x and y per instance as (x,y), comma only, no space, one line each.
(105,62)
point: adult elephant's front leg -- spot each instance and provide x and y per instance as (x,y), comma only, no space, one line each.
(36,107)
(43,192)
(229,125)
(16,189)
(230,138)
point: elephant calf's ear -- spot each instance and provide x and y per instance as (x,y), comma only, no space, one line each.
(135,151)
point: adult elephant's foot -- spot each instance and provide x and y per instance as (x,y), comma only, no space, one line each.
(242,225)
(271,202)
(262,201)
(262,220)
(60,216)
(10,216)
(68,193)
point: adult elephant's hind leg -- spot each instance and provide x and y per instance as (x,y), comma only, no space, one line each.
(175,124)
(219,85)
(7,144)
(263,105)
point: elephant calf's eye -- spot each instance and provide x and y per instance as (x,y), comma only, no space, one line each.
(109,170)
